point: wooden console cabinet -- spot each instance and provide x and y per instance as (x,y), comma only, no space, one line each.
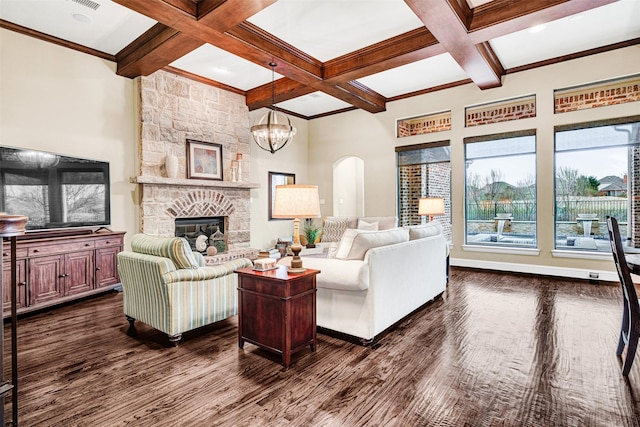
(52,270)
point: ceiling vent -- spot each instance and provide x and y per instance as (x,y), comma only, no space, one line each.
(88,3)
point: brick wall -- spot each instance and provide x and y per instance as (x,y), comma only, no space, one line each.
(430,123)
(597,95)
(501,111)
(635,197)
(425,180)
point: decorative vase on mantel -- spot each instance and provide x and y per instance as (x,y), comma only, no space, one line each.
(171,166)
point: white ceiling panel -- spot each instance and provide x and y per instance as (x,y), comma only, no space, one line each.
(224,67)
(326,29)
(313,104)
(602,26)
(101,24)
(424,74)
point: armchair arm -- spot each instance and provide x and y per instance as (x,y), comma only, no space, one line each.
(206,273)
(200,259)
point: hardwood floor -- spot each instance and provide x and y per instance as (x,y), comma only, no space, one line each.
(496,350)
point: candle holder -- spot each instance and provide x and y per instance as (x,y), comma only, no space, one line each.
(239,163)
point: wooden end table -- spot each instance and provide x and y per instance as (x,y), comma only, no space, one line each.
(277,310)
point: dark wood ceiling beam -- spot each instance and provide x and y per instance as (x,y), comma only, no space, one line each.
(206,6)
(224,27)
(155,49)
(501,17)
(449,28)
(357,95)
(262,48)
(187,6)
(394,52)
(284,89)
(160,10)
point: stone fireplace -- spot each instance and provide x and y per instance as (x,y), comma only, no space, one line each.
(172,110)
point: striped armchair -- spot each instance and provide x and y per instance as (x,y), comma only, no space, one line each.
(168,287)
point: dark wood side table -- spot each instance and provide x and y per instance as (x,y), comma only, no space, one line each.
(277,310)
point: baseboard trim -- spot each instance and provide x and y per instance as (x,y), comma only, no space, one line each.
(545,270)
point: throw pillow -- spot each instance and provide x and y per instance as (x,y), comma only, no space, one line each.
(332,230)
(175,248)
(384,222)
(364,225)
(356,243)
(425,230)
(332,250)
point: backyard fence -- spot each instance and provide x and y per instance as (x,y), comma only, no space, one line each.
(566,210)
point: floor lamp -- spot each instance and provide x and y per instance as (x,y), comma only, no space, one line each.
(431,206)
(296,201)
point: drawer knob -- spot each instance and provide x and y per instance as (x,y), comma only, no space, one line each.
(36,250)
(97,268)
(87,244)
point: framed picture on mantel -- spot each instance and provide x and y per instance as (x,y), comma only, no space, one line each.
(204,160)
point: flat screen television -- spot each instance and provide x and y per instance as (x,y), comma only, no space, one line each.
(54,191)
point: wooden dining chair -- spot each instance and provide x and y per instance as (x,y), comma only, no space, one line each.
(630,329)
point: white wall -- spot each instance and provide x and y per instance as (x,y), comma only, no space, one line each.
(59,100)
(372,138)
(293,158)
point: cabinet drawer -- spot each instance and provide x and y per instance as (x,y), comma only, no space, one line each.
(49,249)
(6,253)
(105,242)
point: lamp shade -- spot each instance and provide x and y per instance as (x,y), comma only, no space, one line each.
(431,206)
(296,201)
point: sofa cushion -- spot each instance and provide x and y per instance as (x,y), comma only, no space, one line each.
(355,243)
(349,275)
(364,225)
(177,249)
(333,229)
(424,230)
(384,222)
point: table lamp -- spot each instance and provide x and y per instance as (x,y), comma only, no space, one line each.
(431,206)
(296,201)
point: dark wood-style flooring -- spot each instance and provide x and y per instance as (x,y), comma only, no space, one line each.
(496,350)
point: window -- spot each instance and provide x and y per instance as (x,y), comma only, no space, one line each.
(596,166)
(500,190)
(424,170)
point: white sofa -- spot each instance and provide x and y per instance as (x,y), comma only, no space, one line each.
(378,278)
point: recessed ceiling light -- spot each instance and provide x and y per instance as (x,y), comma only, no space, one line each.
(81,17)
(536,28)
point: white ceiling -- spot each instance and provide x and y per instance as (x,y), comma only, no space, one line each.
(326,29)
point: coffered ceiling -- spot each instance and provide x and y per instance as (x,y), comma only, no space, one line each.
(331,55)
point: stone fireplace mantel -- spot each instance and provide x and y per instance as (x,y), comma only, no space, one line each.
(157,180)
